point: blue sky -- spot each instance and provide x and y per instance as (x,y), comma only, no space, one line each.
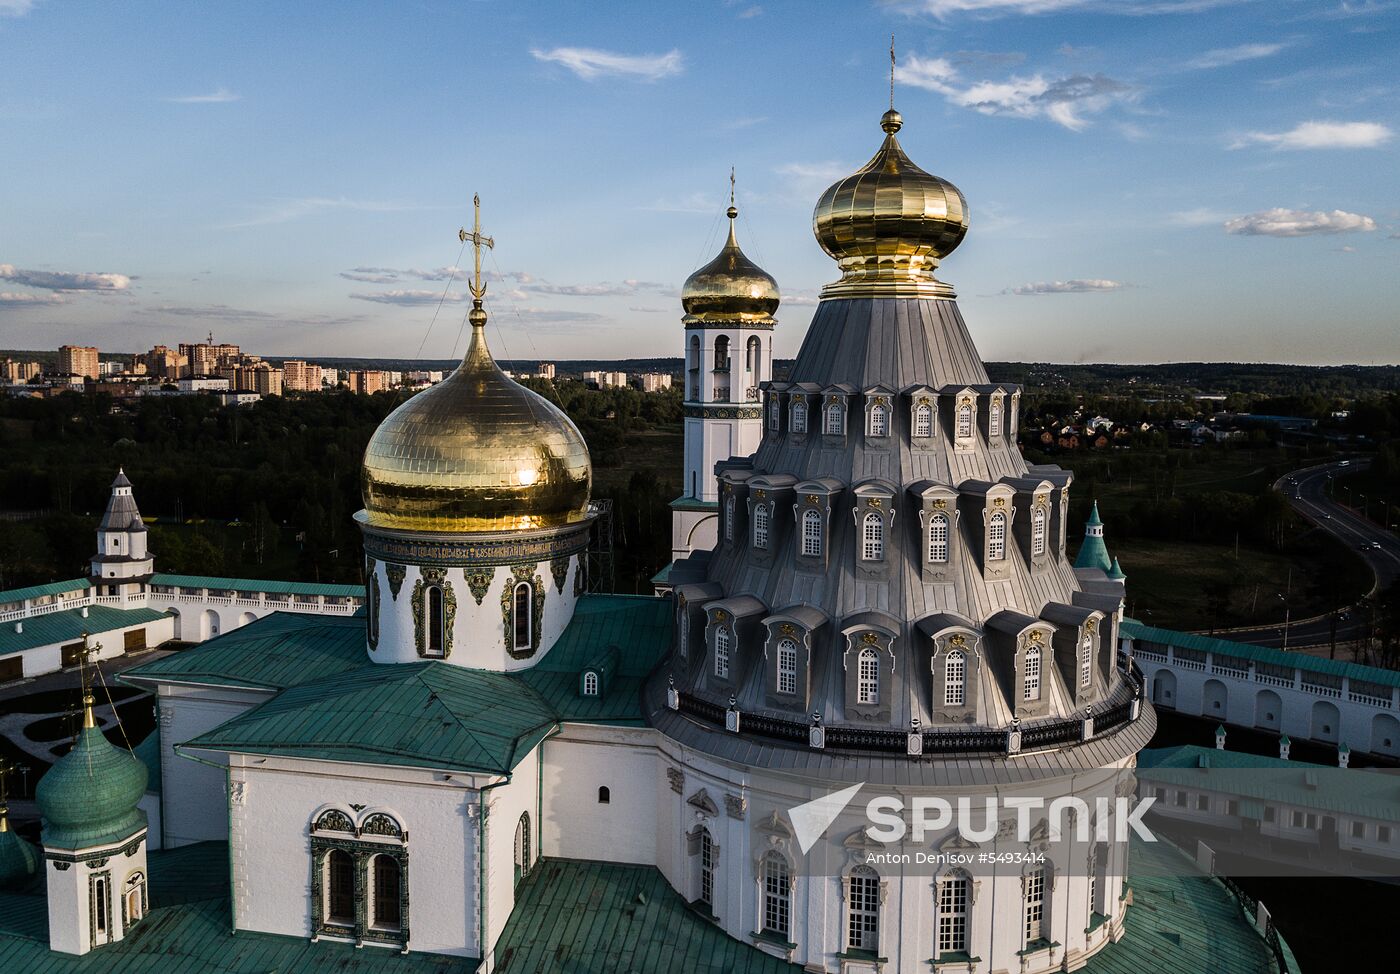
(1149,180)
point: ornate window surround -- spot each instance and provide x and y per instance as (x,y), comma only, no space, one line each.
(377,832)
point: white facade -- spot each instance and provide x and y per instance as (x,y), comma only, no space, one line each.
(95,895)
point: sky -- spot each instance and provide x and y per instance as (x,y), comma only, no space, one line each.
(1148,180)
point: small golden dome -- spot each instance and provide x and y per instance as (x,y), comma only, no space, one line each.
(889,224)
(476,452)
(730,288)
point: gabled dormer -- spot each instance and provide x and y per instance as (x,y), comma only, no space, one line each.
(937,526)
(873,515)
(993,414)
(835,413)
(955,666)
(923,416)
(1021,651)
(868,659)
(988,517)
(1078,644)
(1059,498)
(790,635)
(730,641)
(773,405)
(769,494)
(734,515)
(691,620)
(1034,521)
(879,417)
(804,410)
(813,525)
(960,407)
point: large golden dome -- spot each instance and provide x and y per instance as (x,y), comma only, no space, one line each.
(889,224)
(476,452)
(730,288)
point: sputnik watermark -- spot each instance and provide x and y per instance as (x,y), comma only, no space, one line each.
(977,820)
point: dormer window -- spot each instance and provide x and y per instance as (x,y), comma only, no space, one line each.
(996,536)
(787,667)
(1038,530)
(812,533)
(590,684)
(955,679)
(1086,659)
(938,538)
(994,416)
(722,653)
(799,414)
(835,416)
(872,537)
(774,413)
(965,419)
(868,676)
(923,420)
(879,420)
(1031,684)
(729,518)
(760,527)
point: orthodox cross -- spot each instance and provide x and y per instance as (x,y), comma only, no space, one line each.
(731,185)
(477,240)
(892,62)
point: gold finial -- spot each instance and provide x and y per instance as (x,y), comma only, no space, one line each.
(85,664)
(733,212)
(477,240)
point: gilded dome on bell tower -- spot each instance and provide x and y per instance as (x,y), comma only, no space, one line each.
(731,287)
(889,224)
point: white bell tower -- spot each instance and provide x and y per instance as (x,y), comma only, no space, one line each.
(123,564)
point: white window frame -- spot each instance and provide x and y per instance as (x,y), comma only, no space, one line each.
(863,909)
(1030,684)
(812,533)
(729,517)
(707,868)
(1038,530)
(760,527)
(590,684)
(787,666)
(868,676)
(872,537)
(996,536)
(798,421)
(939,538)
(923,421)
(1035,905)
(964,421)
(994,417)
(834,419)
(776,886)
(954,914)
(722,653)
(879,420)
(1086,660)
(955,679)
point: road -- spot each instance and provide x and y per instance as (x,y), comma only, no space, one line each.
(1306,491)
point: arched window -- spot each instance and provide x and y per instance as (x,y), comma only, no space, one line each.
(760,527)
(604,795)
(1038,531)
(812,532)
(693,369)
(340,889)
(879,420)
(387,897)
(955,679)
(1086,660)
(996,536)
(938,539)
(868,676)
(729,518)
(522,848)
(775,409)
(1031,689)
(1035,905)
(863,910)
(835,419)
(777,895)
(707,868)
(101,909)
(923,420)
(522,623)
(994,417)
(722,353)
(952,914)
(964,420)
(722,653)
(787,666)
(135,894)
(590,684)
(1093,896)
(872,537)
(437,626)
(753,360)
(799,414)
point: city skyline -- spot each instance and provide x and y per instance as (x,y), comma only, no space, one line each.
(1148,181)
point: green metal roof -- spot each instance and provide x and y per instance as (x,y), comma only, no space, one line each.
(89,796)
(639,626)
(1259,654)
(48,588)
(68,625)
(573,916)
(275,652)
(425,715)
(1361,792)
(18,858)
(187,932)
(258,585)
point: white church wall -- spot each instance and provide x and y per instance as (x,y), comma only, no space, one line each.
(506,804)
(195,794)
(111,644)
(270,845)
(70,928)
(576,824)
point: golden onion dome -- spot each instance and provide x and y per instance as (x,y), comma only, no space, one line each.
(889,224)
(476,452)
(731,287)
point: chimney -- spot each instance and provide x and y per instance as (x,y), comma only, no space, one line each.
(1343,756)
(19,627)
(1284,744)
(84,611)
(1220,738)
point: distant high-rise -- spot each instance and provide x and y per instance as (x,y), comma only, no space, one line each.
(78,360)
(299,376)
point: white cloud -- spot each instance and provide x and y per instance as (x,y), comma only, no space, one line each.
(1064,101)
(411,297)
(64,280)
(1280,222)
(1322,135)
(15,8)
(1226,56)
(589,63)
(20,299)
(1077,286)
(286,210)
(649,311)
(943,9)
(219,97)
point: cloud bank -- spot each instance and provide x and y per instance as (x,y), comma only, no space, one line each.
(590,63)
(64,280)
(1280,222)
(1321,135)
(1076,286)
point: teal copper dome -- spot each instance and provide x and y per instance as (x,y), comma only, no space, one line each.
(89,796)
(18,859)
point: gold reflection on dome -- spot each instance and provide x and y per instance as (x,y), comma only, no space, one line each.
(731,287)
(476,452)
(889,224)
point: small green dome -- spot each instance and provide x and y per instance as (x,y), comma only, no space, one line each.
(89,796)
(18,859)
